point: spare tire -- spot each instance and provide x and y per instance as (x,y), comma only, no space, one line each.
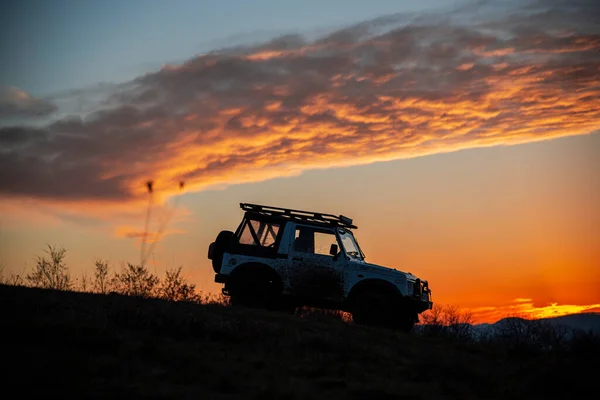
(218,248)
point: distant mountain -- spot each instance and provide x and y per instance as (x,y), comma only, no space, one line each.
(589,322)
(584,321)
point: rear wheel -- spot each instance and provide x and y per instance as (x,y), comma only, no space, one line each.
(245,291)
(256,289)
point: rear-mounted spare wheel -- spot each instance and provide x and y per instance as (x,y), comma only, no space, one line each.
(218,248)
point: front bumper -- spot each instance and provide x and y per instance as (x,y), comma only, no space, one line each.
(421,296)
(221,278)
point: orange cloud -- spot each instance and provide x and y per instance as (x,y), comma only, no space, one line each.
(376,91)
(527,309)
(521,300)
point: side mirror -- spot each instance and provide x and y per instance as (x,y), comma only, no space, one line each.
(333,250)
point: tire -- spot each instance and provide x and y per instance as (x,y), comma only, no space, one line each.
(373,309)
(381,309)
(220,245)
(256,289)
(248,292)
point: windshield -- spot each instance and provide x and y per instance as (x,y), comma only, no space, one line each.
(350,245)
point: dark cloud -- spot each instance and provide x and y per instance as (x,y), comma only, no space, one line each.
(17,136)
(397,86)
(15,103)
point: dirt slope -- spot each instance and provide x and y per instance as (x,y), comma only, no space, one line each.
(96,346)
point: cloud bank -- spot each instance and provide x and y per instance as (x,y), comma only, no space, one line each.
(15,103)
(395,87)
(525,308)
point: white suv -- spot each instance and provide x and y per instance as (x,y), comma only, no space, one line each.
(281,259)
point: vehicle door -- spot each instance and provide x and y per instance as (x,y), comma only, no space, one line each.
(316,264)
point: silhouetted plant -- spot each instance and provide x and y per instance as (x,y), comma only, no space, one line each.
(82,283)
(433,320)
(136,280)
(10,279)
(323,314)
(50,271)
(215,299)
(15,280)
(175,288)
(448,321)
(584,342)
(459,324)
(101,282)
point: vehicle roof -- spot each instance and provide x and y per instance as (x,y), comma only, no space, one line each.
(306,217)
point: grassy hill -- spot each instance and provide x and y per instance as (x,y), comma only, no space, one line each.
(85,345)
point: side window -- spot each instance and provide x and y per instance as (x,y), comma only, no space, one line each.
(259,233)
(313,240)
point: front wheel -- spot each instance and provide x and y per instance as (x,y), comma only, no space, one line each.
(373,309)
(380,309)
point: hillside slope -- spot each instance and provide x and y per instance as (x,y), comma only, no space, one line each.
(95,346)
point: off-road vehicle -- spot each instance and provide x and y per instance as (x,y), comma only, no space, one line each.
(280,258)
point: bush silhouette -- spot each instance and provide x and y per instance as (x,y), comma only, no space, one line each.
(321,314)
(50,271)
(136,280)
(175,288)
(101,282)
(448,321)
(215,299)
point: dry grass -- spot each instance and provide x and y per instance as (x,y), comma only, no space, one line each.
(82,345)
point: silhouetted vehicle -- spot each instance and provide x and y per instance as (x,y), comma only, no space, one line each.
(280,259)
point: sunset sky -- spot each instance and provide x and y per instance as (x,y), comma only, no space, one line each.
(463,138)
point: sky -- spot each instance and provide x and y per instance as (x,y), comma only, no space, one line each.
(462,137)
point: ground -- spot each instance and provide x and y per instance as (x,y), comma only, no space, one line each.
(97,346)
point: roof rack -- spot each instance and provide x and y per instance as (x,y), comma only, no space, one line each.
(306,216)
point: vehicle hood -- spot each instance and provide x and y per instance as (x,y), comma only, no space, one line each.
(380,269)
